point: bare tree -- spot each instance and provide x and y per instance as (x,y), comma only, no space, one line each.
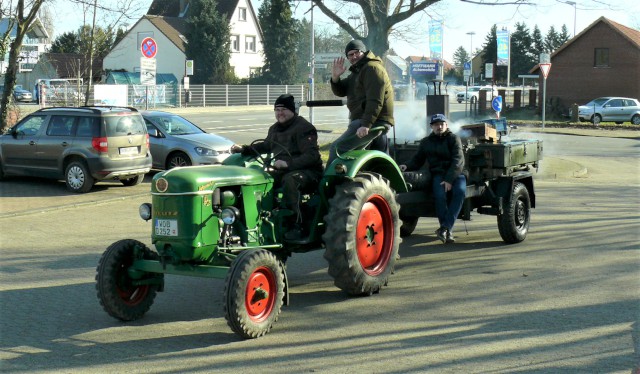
(383,16)
(22,23)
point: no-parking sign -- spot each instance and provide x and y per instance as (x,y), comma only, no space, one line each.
(149,48)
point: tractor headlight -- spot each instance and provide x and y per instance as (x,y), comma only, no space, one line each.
(145,211)
(229,215)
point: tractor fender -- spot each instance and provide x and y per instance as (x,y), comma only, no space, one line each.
(349,164)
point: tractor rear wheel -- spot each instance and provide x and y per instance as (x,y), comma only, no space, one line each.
(362,235)
(513,224)
(118,295)
(254,293)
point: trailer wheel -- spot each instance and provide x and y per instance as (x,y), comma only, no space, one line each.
(119,297)
(513,224)
(408,225)
(362,235)
(254,293)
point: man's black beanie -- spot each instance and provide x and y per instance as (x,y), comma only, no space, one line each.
(355,44)
(286,101)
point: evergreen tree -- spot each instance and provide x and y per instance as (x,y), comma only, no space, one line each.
(78,42)
(281,37)
(522,58)
(209,46)
(460,56)
(551,40)
(69,42)
(537,46)
(564,35)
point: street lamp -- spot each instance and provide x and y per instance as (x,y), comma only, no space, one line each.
(471,34)
(574,14)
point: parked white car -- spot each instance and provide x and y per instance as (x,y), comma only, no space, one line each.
(474,92)
(610,109)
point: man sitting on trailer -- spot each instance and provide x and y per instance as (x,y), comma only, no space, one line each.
(442,149)
(297,166)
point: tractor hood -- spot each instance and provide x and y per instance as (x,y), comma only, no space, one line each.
(204,179)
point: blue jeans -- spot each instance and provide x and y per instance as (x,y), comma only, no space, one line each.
(448,205)
(349,140)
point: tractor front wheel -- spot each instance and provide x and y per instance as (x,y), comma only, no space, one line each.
(254,293)
(118,294)
(362,235)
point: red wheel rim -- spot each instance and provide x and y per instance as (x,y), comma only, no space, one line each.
(374,235)
(129,294)
(260,294)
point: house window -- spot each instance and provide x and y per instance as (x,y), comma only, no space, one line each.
(255,72)
(235,43)
(601,58)
(250,43)
(242,14)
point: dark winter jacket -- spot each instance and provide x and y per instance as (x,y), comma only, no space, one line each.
(443,154)
(300,141)
(368,90)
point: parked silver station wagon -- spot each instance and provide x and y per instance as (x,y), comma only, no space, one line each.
(80,145)
(610,109)
(178,142)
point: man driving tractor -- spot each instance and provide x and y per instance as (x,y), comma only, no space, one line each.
(297,164)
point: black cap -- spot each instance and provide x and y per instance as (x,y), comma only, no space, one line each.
(355,44)
(286,101)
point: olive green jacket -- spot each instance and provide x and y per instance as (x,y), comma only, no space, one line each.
(368,90)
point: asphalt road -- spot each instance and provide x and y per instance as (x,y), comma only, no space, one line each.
(564,300)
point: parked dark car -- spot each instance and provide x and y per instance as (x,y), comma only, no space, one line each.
(175,141)
(80,145)
(20,94)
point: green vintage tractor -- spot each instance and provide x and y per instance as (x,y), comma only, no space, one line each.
(224,221)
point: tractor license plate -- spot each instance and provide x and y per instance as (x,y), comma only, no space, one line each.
(166,227)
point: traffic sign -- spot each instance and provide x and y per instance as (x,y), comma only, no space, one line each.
(545,69)
(147,71)
(327,57)
(149,48)
(496,104)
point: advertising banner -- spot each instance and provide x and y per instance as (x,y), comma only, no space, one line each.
(502,37)
(423,68)
(435,39)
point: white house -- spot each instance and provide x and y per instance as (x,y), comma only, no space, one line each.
(166,24)
(35,43)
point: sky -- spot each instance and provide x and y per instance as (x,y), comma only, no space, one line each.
(460,17)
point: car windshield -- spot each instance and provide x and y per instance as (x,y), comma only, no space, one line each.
(175,125)
(597,102)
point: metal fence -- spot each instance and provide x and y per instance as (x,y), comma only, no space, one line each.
(172,96)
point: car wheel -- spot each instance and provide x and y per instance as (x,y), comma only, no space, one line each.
(635,119)
(178,159)
(77,177)
(596,119)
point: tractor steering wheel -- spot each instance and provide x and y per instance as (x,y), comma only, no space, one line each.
(266,161)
